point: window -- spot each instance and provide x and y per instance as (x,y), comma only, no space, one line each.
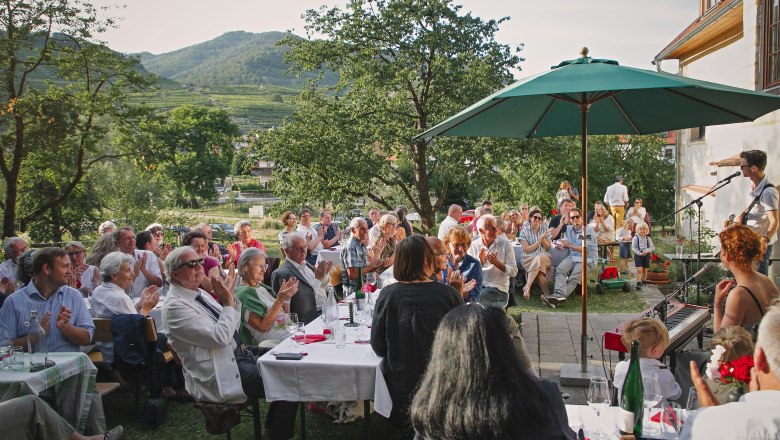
(771,44)
(697,133)
(709,4)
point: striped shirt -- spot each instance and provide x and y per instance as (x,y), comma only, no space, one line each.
(17,307)
(353,254)
(532,238)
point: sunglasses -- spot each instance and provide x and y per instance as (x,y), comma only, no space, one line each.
(573,217)
(192,263)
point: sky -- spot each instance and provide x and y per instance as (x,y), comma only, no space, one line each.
(629,31)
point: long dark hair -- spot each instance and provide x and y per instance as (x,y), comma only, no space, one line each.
(475,385)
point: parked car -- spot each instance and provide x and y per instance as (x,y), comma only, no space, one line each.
(467,216)
(223,231)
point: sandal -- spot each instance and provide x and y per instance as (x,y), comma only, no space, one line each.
(114,434)
(527,292)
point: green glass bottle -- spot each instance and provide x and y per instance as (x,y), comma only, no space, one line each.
(633,396)
(359,283)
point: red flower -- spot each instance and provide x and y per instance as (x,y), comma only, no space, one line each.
(653,257)
(736,370)
(368,288)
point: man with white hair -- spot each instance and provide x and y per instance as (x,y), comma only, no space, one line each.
(311,295)
(107,227)
(453,219)
(146,270)
(757,414)
(217,367)
(354,255)
(13,248)
(496,255)
(568,273)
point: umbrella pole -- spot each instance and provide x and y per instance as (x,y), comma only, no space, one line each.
(583,217)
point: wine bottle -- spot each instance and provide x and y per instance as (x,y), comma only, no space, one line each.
(633,395)
(360,296)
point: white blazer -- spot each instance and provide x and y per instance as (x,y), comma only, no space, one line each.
(205,347)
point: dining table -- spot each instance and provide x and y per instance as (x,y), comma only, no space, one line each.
(327,373)
(606,423)
(72,379)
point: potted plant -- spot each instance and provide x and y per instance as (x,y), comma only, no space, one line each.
(658,273)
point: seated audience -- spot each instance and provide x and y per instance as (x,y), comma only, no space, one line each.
(313,236)
(604,226)
(107,227)
(458,241)
(30,418)
(536,241)
(441,272)
(373,231)
(307,301)
(560,222)
(215,250)
(496,256)
(259,305)
(146,267)
(488,399)
(159,246)
(217,367)
(736,342)
(757,414)
(569,271)
(512,224)
(637,213)
(197,239)
(332,232)
(386,241)
(653,339)
(243,230)
(13,248)
(749,294)
(404,227)
(62,314)
(454,213)
(406,316)
(85,276)
(354,255)
(290,222)
(102,247)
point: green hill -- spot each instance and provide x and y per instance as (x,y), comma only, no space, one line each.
(234,58)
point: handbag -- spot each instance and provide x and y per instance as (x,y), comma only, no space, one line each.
(155,411)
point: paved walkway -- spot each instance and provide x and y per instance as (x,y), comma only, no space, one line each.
(554,338)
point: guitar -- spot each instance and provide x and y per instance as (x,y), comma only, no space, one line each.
(729,221)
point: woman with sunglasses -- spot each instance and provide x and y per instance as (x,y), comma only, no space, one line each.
(85,276)
(259,306)
(457,242)
(536,241)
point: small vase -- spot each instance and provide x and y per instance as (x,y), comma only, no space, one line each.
(734,394)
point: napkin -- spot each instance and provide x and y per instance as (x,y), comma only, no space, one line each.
(669,421)
(310,338)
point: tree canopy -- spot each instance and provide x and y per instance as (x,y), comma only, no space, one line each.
(403,65)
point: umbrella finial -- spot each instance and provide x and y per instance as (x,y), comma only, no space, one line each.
(584,52)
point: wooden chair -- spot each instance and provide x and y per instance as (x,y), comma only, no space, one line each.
(273,264)
(102,334)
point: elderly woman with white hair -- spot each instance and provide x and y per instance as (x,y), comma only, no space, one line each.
(259,305)
(243,230)
(217,366)
(85,276)
(109,298)
(384,244)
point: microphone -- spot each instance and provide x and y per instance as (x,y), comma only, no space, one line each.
(731,176)
(706,268)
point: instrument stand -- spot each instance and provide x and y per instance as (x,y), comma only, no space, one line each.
(698,203)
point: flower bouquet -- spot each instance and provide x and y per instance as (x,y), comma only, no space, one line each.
(735,373)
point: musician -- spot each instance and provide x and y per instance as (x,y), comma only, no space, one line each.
(750,293)
(761,214)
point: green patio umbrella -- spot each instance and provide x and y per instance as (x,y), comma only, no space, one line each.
(591,96)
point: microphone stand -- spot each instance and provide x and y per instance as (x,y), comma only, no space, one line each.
(698,203)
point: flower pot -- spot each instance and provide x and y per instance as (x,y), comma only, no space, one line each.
(658,278)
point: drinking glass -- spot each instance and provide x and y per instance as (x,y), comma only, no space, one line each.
(653,397)
(291,324)
(693,400)
(598,399)
(300,335)
(5,355)
(674,415)
(340,335)
(679,251)
(17,358)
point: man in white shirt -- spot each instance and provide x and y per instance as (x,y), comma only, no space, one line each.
(13,248)
(146,270)
(757,413)
(311,293)
(763,216)
(313,236)
(496,255)
(617,199)
(568,272)
(453,219)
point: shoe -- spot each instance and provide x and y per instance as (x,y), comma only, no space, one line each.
(638,284)
(114,434)
(547,302)
(557,299)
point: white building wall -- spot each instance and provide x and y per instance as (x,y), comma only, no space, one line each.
(733,65)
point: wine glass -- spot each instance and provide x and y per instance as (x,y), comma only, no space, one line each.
(300,335)
(598,399)
(291,324)
(693,400)
(653,396)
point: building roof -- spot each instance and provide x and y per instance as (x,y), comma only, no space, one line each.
(701,189)
(731,161)
(719,23)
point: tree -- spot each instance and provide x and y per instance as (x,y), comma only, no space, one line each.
(403,65)
(191,145)
(60,94)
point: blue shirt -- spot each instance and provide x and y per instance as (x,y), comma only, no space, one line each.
(354,254)
(17,307)
(471,269)
(572,236)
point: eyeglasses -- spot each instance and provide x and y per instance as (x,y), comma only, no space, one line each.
(74,253)
(158,234)
(459,245)
(573,217)
(192,264)
(263,267)
(536,217)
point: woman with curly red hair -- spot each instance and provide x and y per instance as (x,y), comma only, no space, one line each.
(750,293)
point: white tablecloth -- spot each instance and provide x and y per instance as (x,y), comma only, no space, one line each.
(333,255)
(583,416)
(327,373)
